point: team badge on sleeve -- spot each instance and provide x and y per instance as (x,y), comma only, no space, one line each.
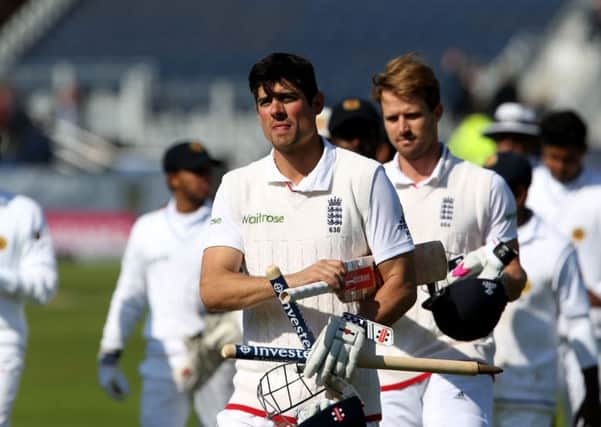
(402,227)
(3,243)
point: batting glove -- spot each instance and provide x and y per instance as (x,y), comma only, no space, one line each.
(110,377)
(486,262)
(203,351)
(335,351)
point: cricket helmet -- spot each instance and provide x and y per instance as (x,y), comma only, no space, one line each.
(468,309)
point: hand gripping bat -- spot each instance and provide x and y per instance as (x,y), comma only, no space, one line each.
(296,355)
(430,266)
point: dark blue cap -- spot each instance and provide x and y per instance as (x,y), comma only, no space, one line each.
(188,155)
(352,109)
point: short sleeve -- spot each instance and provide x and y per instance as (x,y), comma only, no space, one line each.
(224,230)
(387,233)
(503,212)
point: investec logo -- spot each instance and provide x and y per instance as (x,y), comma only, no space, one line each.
(261,218)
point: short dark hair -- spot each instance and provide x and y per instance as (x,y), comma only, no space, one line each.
(563,129)
(278,67)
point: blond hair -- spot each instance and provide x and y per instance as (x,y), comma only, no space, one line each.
(408,75)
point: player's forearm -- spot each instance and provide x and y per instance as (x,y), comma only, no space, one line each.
(388,306)
(124,313)
(222,290)
(397,294)
(35,283)
(514,279)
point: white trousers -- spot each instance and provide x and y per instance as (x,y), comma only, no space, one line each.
(163,405)
(11,367)
(440,401)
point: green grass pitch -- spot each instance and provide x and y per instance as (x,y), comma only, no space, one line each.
(59,386)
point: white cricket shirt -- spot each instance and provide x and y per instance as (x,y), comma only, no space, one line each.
(27,264)
(526,337)
(160,271)
(464,206)
(344,208)
(575,210)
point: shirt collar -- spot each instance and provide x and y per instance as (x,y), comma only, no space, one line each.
(319,179)
(399,178)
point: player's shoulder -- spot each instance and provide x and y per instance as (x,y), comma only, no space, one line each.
(548,233)
(540,174)
(245,173)
(350,156)
(361,166)
(586,201)
(19,203)
(461,171)
(470,168)
(150,220)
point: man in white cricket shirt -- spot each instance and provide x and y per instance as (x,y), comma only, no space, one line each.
(306,207)
(160,273)
(27,273)
(466,207)
(567,194)
(527,336)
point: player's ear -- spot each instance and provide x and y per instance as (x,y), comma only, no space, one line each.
(171,179)
(438,110)
(318,103)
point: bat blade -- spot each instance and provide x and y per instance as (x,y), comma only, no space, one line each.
(430,261)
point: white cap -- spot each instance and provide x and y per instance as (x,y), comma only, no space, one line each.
(511,117)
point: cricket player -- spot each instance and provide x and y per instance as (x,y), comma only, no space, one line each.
(306,207)
(27,273)
(466,207)
(159,274)
(515,129)
(355,124)
(527,335)
(568,195)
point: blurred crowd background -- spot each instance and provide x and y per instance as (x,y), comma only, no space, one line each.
(92,91)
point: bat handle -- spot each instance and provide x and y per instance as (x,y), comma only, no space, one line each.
(305,291)
(228,351)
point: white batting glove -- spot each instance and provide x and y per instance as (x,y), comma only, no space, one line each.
(203,352)
(481,263)
(110,377)
(335,351)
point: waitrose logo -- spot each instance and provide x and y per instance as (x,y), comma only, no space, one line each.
(260,218)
